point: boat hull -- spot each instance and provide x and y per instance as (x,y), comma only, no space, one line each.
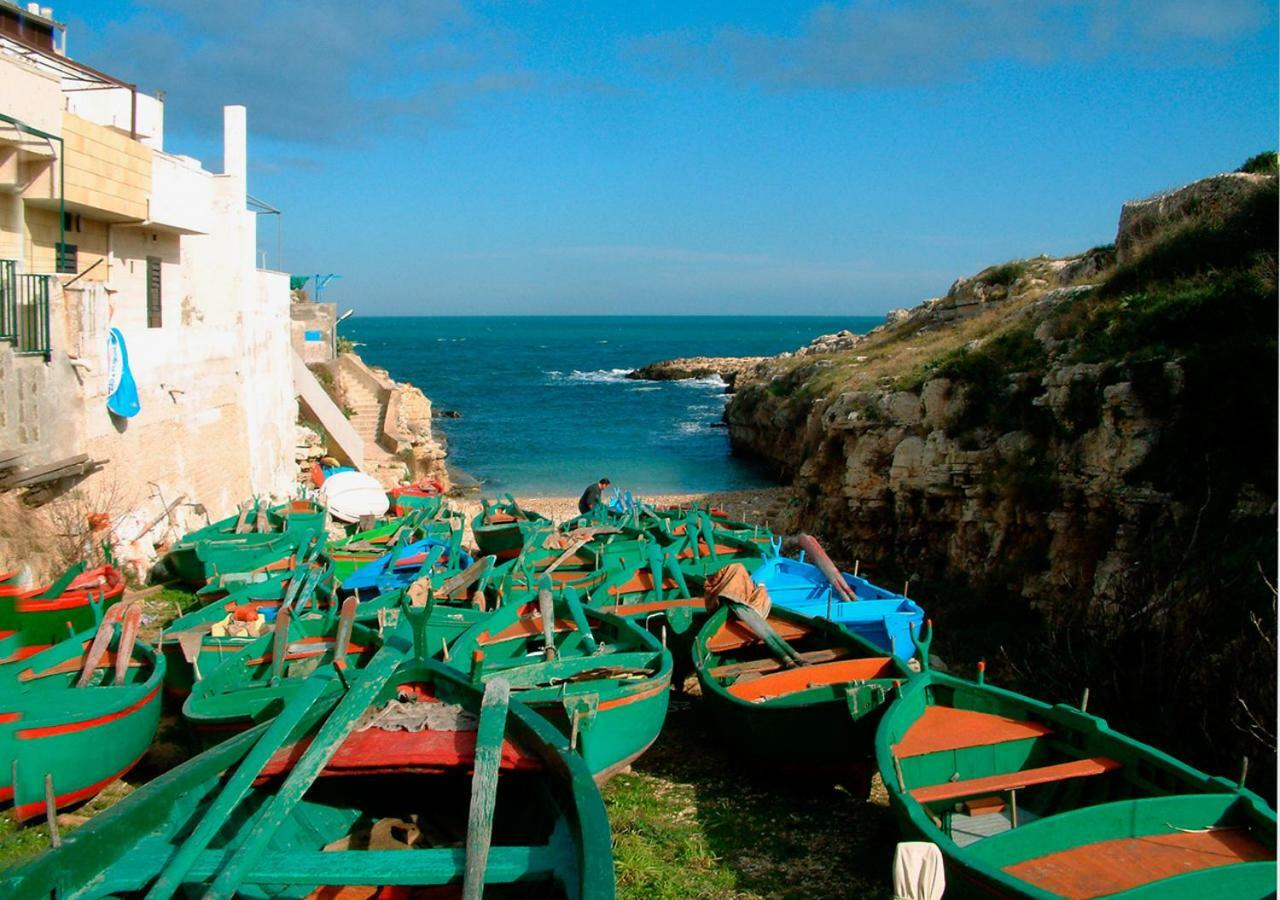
(81,738)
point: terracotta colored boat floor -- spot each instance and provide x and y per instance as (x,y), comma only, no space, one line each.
(733,635)
(791,681)
(1107,867)
(944,728)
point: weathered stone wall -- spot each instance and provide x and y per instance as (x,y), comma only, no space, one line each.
(311,328)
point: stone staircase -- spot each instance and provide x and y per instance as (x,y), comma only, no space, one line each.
(367,409)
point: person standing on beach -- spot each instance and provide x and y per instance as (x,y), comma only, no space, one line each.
(591,496)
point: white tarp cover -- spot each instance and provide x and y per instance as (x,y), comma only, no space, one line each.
(351,495)
(917,872)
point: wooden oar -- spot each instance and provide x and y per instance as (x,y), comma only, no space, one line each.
(490,733)
(128,637)
(570,597)
(656,568)
(242,520)
(346,621)
(310,695)
(708,530)
(280,644)
(327,741)
(260,519)
(468,576)
(547,612)
(101,642)
(810,545)
(760,627)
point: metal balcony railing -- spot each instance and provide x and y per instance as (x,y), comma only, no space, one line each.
(8,300)
(24,309)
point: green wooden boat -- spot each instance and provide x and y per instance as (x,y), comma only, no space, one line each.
(575,557)
(271,565)
(500,528)
(794,693)
(425,497)
(196,643)
(76,716)
(363,547)
(372,797)
(1025,799)
(602,681)
(33,619)
(228,545)
(707,550)
(257,681)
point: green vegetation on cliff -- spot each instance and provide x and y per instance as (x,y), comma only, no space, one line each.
(1074,461)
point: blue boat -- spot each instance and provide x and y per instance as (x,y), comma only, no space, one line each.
(403,566)
(882,617)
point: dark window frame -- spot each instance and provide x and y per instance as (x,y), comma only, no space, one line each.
(66,259)
(155,294)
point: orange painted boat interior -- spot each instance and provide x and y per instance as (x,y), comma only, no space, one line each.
(945,728)
(524,627)
(640,582)
(1108,867)
(75,664)
(803,678)
(733,635)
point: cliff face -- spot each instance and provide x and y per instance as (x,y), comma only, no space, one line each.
(1074,461)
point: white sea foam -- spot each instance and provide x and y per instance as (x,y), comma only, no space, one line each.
(597,376)
(710,381)
(645,389)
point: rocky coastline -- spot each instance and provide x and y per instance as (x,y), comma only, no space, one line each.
(728,369)
(1073,458)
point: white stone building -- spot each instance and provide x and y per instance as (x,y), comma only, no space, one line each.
(117,232)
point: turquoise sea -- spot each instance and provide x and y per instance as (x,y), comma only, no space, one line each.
(546,409)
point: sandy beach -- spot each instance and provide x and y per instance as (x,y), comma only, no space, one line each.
(773,507)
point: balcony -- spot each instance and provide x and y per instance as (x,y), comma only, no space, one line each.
(24,309)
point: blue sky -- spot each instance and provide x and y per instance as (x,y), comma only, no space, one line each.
(731,157)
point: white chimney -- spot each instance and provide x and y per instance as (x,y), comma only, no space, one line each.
(46,11)
(234,141)
(33,8)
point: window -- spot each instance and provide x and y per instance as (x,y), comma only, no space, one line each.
(68,259)
(153,292)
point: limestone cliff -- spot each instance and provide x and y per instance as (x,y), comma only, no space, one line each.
(1074,461)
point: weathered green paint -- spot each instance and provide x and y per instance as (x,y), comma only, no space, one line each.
(484,785)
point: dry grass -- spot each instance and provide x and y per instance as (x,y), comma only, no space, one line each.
(900,353)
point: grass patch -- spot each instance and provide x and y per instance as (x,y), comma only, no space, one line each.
(689,822)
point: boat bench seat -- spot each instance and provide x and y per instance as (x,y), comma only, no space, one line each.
(1009,781)
(765,666)
(802,678)
(733,635)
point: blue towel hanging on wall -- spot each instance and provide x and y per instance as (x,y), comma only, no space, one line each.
(122,392)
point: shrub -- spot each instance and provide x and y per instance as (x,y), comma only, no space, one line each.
(1262,164)
(1004,275)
